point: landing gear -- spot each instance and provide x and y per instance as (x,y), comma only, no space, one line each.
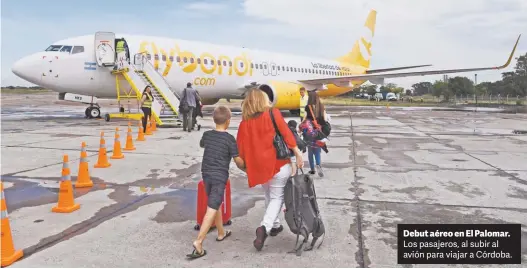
(93,111)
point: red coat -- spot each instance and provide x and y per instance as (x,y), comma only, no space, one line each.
(255,145)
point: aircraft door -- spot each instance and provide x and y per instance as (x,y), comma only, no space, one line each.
(104,48)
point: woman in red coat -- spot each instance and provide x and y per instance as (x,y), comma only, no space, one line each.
(256,148)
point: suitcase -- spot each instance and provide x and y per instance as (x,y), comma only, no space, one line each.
(202,205)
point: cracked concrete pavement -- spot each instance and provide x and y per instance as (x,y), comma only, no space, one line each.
(385,167)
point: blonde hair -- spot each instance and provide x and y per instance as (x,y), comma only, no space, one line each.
(256,101)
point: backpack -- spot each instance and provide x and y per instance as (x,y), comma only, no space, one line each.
(301,211)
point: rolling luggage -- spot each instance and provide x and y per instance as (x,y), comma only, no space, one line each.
(202,205)
(301,211)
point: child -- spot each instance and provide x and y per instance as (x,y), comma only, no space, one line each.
(220,148)
(299,142)
(314,143)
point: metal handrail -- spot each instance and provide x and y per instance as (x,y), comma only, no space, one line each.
(143,61)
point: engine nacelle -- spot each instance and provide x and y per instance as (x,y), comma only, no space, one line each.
(209,101)
(283,95)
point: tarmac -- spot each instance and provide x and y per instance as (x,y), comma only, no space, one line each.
(385,166)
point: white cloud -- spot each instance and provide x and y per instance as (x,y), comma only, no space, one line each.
(205,6)
(446,33)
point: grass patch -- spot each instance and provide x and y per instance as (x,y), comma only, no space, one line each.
(363,102)
(24,91)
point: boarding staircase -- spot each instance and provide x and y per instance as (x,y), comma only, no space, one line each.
(141,73)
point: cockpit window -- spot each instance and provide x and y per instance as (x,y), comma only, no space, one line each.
(77,49)
(66,49)
(54,48)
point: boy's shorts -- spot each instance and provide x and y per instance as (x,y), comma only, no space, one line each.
(215,191)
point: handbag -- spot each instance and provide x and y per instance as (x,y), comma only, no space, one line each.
(282,151)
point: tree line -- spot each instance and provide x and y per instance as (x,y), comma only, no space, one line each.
(512,83)
(23,87)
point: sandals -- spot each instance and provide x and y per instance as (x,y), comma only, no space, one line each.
(195,254)
(227,234)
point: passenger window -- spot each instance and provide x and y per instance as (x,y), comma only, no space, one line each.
(283,68)
(205,61)
(252,65)
(66,49)
(287,69)
(230,63)
(198,60)
(273,67)
(185,59)
(191,60)
(178,59)
(163,58)
(241,64)
(171,58)
(212,62)
(224,63)
(77,49)
(265,66)
(260,66)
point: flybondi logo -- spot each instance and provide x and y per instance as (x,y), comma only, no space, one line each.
(188,61)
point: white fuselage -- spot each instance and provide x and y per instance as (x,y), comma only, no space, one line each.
(180,61)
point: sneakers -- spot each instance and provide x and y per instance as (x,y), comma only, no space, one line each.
(320,172)
(261,235)
(276,231)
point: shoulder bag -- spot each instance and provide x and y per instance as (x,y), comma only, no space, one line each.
(282,151)
(183,106)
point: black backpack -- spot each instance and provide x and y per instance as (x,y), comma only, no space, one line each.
(301,211)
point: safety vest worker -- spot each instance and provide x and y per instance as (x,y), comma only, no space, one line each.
(120,46)
(303,102)
(148,100)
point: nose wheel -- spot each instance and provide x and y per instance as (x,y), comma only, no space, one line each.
(93,112)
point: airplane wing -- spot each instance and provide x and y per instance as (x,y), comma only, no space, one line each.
(372,71)
(346,79)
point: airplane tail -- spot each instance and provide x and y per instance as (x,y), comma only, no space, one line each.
(355,56)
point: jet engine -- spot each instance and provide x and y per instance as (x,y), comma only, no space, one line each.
(209,101)
(283,95)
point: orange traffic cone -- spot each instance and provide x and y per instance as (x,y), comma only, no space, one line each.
(148,130)
(66,203)
(153,124)
(117,154)
(102,161)
(129,139)
(140,134)
(9,254)
(83,178)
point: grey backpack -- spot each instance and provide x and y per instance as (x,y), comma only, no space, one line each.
(301,211)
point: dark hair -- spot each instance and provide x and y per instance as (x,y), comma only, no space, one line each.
(221,114)
(317,106)
(292,123)
(144,92)
(189,84)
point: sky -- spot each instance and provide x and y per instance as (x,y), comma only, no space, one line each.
(444,33)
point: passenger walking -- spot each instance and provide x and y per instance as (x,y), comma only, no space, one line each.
(189,100)
(256,136)
(220,149)
(146,105)
(315,128)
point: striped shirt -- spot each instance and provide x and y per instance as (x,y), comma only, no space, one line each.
(220,148)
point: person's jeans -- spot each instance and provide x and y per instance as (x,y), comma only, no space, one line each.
(274,197)
(147,111)
(187,119)
(313,152)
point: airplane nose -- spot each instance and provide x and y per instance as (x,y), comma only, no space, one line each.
(25,68)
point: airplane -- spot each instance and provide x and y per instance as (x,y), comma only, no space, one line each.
(81,69)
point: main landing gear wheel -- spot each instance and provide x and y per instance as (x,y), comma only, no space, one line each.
(93,112)
(107,117)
